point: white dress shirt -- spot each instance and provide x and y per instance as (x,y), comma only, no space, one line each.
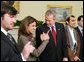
(72,35)
(54,28)
(4,31)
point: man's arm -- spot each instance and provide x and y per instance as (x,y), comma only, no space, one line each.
(38,40)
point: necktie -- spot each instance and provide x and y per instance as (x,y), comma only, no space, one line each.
(11,38)
(12,41)
(54,35)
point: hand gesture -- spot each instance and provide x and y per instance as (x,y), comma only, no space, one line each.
(44,36)
(28,48)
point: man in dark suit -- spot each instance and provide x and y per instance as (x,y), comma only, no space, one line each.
(79,28)
(56,50)
(9,49)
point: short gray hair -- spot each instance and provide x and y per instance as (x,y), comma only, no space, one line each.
(50,12)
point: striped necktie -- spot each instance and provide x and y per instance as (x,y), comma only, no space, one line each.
(11,38)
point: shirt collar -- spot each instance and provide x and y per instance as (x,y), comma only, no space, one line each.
(4,31)
(53,26)
(80,28)
(71,29)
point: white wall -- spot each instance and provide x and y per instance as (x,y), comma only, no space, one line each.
(37,9)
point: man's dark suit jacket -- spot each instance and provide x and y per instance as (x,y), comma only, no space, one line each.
(51,52)
(9,52)
(81,44)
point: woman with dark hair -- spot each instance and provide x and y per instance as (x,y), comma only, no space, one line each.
(25,35)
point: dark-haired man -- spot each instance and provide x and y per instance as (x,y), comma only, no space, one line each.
(73,41)
(9,49)
(79,28)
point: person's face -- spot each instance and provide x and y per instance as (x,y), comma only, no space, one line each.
(8,21)
(80,23)
(72,22)
(31,28)
(49,20)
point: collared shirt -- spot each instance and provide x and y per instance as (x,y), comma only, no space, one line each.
(80,28)
(72,35)
(54,28)
(5,32)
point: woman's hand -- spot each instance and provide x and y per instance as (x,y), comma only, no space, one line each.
(28,48)
(44,36)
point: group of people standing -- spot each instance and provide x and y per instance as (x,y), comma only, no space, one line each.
(54,41)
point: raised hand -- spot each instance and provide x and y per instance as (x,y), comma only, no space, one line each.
(44,36)
(28,48)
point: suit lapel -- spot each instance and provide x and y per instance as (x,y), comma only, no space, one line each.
(79,32)
(6,40)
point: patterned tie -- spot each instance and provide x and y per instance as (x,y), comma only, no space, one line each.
(11,38)
(12,41)
(54,35)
